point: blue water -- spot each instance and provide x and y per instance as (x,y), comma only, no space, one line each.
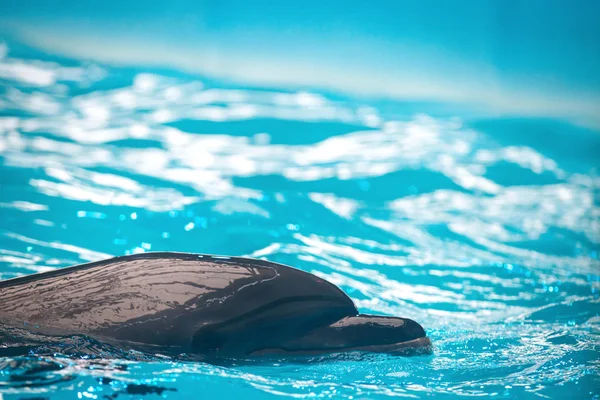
(484,230)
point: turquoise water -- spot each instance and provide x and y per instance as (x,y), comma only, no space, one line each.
(484,230)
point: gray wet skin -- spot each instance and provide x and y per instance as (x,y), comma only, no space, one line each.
(212,307)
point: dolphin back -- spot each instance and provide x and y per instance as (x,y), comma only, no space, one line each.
(185,302)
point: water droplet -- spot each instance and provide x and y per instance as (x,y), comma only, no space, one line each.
(292,227)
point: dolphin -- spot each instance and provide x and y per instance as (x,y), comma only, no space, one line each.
(211,307)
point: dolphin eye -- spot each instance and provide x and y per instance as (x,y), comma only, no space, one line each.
(207,341)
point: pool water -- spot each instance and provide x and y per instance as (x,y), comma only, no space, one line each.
(484,230)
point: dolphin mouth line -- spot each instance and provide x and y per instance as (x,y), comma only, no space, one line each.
(414,347)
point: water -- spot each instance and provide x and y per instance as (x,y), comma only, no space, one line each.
(486,231)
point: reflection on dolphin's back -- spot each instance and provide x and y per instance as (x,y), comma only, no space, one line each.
(90,299)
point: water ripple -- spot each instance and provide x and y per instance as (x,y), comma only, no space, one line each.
(492,246)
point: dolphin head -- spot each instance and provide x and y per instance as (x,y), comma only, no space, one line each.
(362,332)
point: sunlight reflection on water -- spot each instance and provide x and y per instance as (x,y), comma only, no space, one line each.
(405,215)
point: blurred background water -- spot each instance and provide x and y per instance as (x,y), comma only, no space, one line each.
(435,160)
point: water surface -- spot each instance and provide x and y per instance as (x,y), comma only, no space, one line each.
(486,231)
